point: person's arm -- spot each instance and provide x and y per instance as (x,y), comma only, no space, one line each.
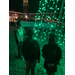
(23,48)
(38,53)
(43,52)
(23,33)
(18,37)
(11,23)
(59,55)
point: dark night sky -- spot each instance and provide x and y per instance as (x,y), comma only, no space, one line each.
(17,5)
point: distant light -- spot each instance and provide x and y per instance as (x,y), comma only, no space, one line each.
(48,16)
(57,19)
(47,19)
(39,18)
(15,14)
(26,16)
(16,17)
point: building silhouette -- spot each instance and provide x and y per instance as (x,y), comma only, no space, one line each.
(25,6)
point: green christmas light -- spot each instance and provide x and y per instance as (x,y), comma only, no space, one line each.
(52,17)
(59,38)
(56,30)
(59,30)
(41,36)
(62,6)
(33,28)
(44,38)
(61,35)
(51,26)
(60,44)
(58,34)
(38,30)
(55,11)
(55,33)
(57,0)
(50,8)
(46,1)
(57,8)
(55,18)
(53,2)
(63,42)
(58,41)
(62,27)
(35,38)
(36,34)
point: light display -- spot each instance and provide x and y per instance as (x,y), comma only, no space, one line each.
(25,1)
(45,24)
(51,7)
(51,12)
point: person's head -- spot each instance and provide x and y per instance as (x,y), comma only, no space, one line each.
(18,24)
(51,38)
(30,33)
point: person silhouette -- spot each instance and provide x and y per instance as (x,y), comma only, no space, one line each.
(31,52)
(19,37)
(52,54)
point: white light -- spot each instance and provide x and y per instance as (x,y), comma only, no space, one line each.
(15,14)
(16,17)
(26,16)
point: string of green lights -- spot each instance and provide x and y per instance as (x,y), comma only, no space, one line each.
(53,17)
(51,8)
(60,17)
(60,14)
(47,7)
(42,9)
(61,26)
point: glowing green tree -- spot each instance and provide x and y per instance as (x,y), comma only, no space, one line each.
(50,11)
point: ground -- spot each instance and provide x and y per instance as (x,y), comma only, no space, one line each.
(17,66)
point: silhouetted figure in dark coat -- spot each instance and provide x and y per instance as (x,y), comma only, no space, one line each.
(31,52)
(52,54)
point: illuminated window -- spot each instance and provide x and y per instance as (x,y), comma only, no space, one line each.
(25,1)
(15,14)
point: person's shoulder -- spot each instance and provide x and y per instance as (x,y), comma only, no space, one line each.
(45,45)
(10,22)
(15,31)
(35,41)
(57,46)
(25,41)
